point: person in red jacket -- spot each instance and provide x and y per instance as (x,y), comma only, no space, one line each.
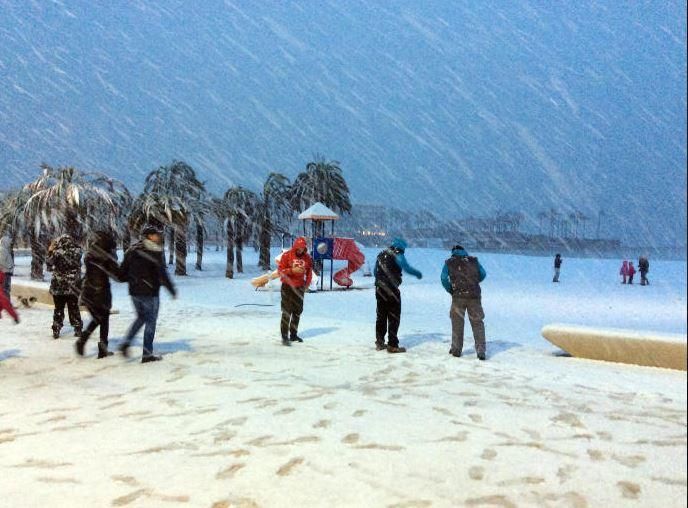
(295,270)
(631,272)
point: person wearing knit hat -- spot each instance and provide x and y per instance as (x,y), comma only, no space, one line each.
(389,266)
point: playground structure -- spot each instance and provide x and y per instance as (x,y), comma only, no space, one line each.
(325,248)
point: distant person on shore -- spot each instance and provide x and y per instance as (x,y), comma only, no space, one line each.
(144,269)
(557,267)
(389,266)
(461,277)
(96,296)
(631,272)
(296,271)
(644,267)
(64,260)
(624,271)
(6,264)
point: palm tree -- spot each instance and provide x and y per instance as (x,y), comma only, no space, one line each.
(172,197)
(240,207)
(274,213)
(67,200)
(322,182)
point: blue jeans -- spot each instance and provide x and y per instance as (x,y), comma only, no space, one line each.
(146,314)
(7,284)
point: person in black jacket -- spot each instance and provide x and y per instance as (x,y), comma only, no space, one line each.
(101,266)
(144,269)
(557,267)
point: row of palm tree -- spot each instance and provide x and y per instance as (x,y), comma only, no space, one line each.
(66,200)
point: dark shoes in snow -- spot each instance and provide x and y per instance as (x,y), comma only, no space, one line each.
(296,338)
(151,358)
(124,349)
(455,353)
(481,356)
(103,351)
(379,346)
(79,346)
(396,349)
(286,341)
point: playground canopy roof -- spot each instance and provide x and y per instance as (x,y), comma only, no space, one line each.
(318,212)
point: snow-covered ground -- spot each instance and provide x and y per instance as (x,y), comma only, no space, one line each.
(232,418)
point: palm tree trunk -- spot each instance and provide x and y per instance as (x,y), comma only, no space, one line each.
(126,238)
(171,245)
(229,272)
(38,252)
(264,255)
(239,257)
(180,248)
(199,247)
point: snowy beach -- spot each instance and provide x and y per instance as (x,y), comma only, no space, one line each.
(232,418)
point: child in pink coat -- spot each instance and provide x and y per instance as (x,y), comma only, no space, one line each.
(624,271)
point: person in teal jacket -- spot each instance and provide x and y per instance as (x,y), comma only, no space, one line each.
(389,266)
(461,278)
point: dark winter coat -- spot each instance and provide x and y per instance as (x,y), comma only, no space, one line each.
(390,264)
(64,260)
(462,275)
(101,266)
(643,265)
(144,269)
(557,262)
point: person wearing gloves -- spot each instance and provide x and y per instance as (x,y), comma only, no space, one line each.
(296,271)
(461,278)
(145,271)
(389,266)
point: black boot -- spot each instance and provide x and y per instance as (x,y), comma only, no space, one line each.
(103,350)
(79,346)
(379,346)
(56,331)
(396,349)
(124,349)
(285,341)
(151,358)
(295,338)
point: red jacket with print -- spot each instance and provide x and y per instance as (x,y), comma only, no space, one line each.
(290,261)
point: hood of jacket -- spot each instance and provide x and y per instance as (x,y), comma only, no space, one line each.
(300,243)
(399,244)
(459,252)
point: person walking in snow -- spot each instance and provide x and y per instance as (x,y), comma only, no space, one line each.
(6,264)
(461,278)
(389,266)
(631,272)
(644,267)
(557,267)
(296,271)
(624,271)
(101,266)
(64,260)
(144,269)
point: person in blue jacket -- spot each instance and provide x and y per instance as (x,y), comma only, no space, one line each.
(461,277)
(389,266)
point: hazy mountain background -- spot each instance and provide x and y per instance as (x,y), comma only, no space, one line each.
(461,107)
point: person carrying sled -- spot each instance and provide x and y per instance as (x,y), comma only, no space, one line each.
(144,269)
(644,267)
(389,266)
(64,260)
(557,267)
(296,271)
(624,271)
(461,278)
(631,272)
(96,296)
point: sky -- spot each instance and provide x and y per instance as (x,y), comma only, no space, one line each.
(464,108)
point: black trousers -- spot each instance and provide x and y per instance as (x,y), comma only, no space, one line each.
(292,307)
(100,317)
(388,315)
(72,303)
